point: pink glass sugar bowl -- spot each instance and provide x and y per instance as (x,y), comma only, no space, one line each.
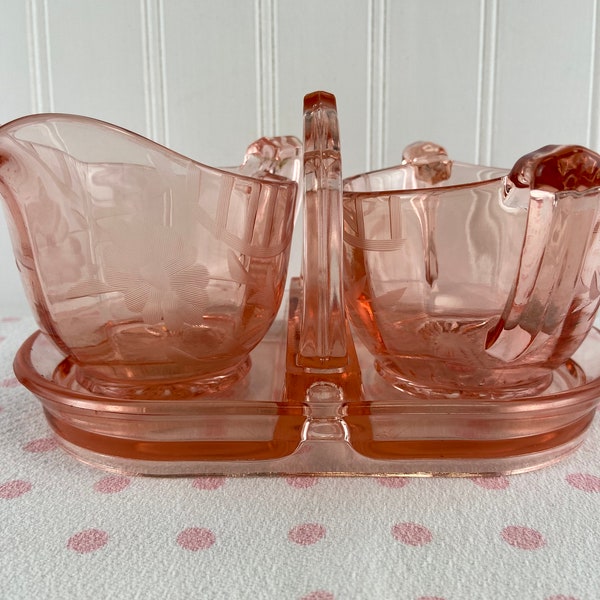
(469,281)
(442,322)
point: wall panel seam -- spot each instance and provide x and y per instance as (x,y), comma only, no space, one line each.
(265,31)
(258,64)
(145,27)
(488,39)
(593,133)
(370,117)
(154,70)
(376,83)
(47,58)
(38,40)
(32,54)
(163,72)
(274,69)
(384,65)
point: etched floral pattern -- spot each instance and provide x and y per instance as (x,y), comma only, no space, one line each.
(453,339)
(160,280)
(55,244)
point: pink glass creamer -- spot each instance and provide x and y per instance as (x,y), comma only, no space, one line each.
(471,282)
(155,274)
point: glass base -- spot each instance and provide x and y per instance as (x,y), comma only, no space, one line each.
(524,384)
(255,428)
(71,375)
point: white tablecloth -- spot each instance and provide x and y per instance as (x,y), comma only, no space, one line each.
(70,531)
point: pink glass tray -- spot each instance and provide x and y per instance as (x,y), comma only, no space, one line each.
(252,429)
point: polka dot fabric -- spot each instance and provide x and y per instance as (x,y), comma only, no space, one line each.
(70,531)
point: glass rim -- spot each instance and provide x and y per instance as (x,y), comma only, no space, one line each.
(423,190)
(60,116)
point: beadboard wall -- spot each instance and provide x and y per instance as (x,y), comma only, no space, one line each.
(488,79)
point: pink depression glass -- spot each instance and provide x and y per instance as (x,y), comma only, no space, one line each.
(155,274)
(464,281)
(416,252)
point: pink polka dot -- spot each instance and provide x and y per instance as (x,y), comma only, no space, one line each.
(196,538)
(302,483)
(561,597)
(392,482)
(412,534)
(41,445)
(319,595)
(111,484)
(524,538)
(584,482)
(306,534)
(88,540)
(209,483)
(14,489)
(10,382)
(491,483)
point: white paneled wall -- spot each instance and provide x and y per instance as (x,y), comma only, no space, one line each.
(488,79)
